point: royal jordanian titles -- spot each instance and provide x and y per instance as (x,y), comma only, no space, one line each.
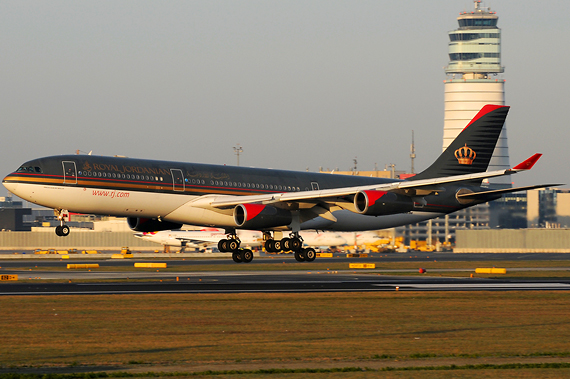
(161,195)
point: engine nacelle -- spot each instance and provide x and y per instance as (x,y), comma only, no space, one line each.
(259,216)
(377,203)
(139,224)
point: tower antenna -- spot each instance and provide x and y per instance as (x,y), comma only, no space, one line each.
(413,152)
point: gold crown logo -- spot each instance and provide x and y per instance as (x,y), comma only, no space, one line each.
(465,155)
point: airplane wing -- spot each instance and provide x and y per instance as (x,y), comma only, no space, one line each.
(422,187)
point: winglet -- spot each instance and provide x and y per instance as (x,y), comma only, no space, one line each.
(527,164)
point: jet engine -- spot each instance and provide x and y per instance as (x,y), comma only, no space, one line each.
(377,203)
(139,224)
(259,216)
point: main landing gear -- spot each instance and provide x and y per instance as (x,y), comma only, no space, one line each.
(231,245)
(294,243)
(61,230)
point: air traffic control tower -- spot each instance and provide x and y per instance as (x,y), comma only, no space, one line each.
(473,80)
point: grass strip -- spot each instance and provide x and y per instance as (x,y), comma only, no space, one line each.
(170,328)
(123,374)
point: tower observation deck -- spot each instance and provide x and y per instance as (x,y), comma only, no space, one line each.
(472,79)
(475,48)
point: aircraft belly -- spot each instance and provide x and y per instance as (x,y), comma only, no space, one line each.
(349,221)
(189,214)
(102,201)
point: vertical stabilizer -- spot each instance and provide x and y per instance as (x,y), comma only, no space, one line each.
(471,151)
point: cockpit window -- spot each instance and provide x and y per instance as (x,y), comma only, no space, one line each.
(30,169)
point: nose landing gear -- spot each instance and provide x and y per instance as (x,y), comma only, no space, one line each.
(61,230)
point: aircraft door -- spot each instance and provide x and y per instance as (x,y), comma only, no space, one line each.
(69,172)
(177,179)
(314,186)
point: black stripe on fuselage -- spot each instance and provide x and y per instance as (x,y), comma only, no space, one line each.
(214,179)
(199,179)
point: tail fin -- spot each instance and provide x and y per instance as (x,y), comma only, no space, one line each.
(470,152)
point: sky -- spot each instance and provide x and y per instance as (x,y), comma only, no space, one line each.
(298,84)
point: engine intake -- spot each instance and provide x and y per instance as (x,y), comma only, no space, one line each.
(377,203)
(259,216)
(139,224)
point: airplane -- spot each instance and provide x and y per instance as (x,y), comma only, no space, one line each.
(361,238)
(161,195)
(213,236)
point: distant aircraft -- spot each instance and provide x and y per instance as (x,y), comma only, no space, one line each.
(212,237)
(159,195)
(361,238)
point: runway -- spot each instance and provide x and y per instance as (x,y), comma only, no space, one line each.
(113,277)
(269,282)
(417,256)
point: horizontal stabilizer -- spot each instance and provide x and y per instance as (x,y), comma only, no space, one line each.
(485,194)
(527,164)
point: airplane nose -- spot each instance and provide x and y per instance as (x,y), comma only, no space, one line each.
(10,186)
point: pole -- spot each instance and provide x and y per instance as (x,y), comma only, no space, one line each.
(238,150)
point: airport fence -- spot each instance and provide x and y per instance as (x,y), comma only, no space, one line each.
(80,240)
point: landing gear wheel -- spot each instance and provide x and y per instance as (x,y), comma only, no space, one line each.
(58,231)
(246,255)
(300,256)
(223,246)
(277,246)
(295,244)
(236,256)
(232,245)
(64,229)
(310,254)
(270,246)
(285,244)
